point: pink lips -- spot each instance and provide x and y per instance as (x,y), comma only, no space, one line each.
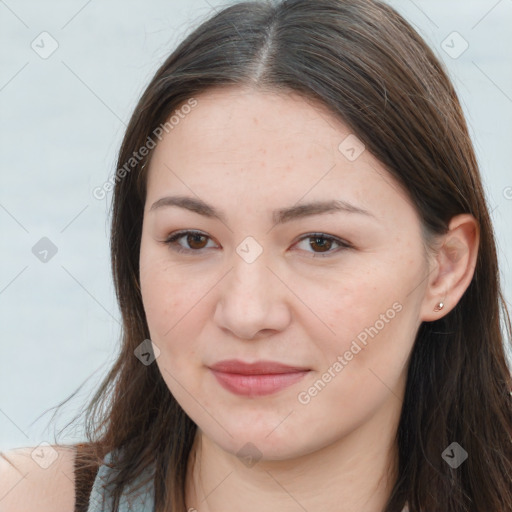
(256,379)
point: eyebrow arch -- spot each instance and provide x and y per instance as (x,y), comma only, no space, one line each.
(279,216)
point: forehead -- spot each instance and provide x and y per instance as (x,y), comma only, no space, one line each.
(251,142)
(244,125)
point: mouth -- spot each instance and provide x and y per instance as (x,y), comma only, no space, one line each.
(256,379)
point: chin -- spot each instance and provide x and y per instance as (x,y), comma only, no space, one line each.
(263,441)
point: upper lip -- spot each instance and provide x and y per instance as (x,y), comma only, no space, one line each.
(256,368)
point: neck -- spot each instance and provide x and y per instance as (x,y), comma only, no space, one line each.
(351,474)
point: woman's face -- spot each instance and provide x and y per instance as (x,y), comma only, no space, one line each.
(275,274)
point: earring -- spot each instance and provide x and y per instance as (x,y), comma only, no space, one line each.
(439,306)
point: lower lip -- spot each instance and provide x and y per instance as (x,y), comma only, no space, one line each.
(257,385)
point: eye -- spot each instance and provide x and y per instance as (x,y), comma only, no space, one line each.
(196,241)
(324,243)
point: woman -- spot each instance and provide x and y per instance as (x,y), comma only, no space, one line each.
(307,274)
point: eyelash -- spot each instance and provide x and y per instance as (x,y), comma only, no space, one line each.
(171,241)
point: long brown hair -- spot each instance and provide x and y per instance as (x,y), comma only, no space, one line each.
(363,61)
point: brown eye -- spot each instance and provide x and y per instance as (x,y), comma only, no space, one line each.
(188,241)
(323,244)
(196,241)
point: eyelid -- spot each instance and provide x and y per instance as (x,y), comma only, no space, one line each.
(173,237)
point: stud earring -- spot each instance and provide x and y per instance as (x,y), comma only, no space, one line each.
(439,306)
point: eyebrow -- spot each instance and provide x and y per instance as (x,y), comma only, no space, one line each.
(279,216)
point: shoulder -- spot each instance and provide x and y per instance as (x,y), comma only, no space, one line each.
(38,479)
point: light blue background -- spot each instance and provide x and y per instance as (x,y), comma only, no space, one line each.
(62,119)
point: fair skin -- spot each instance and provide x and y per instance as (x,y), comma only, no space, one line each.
(27,486)
(301,302)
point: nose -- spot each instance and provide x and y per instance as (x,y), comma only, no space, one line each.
(252,300)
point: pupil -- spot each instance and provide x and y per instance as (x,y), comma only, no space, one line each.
(195,239)
(322,242)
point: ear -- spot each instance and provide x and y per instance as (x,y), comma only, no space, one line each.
(452,267)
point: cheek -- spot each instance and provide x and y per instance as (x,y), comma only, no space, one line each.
(351,301)
(168,302)
(176,307)
(165,294)
(372,317)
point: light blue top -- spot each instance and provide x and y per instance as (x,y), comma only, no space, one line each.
(100,499)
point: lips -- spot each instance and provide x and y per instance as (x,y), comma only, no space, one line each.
(257,368)
(256,379)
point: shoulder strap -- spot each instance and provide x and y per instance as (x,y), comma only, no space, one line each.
(85,473)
